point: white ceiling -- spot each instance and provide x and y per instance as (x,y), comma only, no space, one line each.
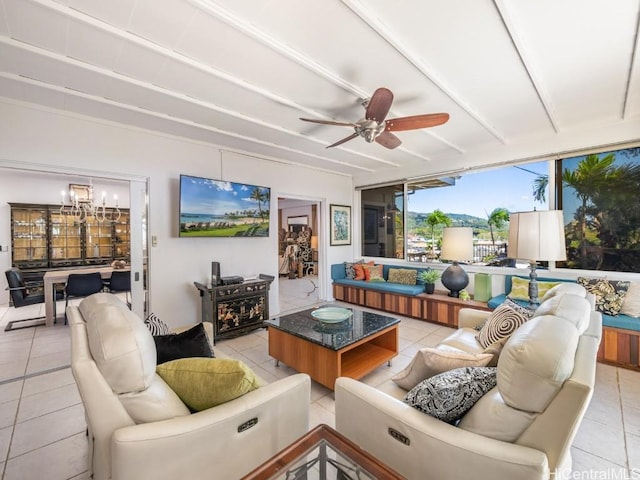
(519,78)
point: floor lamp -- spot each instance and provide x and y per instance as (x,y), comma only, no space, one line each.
(536,236)
(457,246)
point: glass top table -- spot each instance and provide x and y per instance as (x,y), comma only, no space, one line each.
(323,454)
(325,351)
(359,325)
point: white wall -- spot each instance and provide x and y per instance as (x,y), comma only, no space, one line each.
(35,135)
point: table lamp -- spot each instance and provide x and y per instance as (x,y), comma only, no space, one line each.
(536,236)
(457,246)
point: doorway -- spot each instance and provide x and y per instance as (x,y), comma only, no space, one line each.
(45,186)
(298,253)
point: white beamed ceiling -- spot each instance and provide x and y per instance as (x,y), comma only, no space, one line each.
(520,79)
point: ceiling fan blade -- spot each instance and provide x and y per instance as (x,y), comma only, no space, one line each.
(388,139)
(379,105)
(329,122)
(416,122)
(345,139)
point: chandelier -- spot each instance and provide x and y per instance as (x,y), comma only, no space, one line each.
(81,205)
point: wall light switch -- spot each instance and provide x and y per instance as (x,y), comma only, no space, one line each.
(154,240)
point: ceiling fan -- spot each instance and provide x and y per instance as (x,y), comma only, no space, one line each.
(373,126)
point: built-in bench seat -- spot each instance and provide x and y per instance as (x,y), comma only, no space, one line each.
(338,275)
(620,333)
(406,300)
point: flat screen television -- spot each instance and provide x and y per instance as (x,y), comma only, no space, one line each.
(215,208)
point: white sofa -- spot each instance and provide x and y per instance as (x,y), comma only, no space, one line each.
(523,428)
(137,426)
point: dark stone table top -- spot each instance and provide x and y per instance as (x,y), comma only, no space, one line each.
(332,335)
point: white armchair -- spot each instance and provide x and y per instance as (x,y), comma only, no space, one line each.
(523,428)
(111,347)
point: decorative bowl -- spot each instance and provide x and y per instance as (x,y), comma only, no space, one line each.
(331,314)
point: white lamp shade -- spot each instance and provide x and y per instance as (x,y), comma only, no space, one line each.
(457,244)
(537,236)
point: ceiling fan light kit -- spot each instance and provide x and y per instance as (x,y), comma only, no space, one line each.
(374,128)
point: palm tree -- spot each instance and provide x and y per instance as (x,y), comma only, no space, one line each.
(496,220)
(259,196)
(591,174)
(540,188)
(437,217)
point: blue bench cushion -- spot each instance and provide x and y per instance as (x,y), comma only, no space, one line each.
(625,322)
(382,286)
(338,275)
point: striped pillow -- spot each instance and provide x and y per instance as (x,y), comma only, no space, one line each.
(502,322)
(156,326)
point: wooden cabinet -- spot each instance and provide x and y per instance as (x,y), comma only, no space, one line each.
(235,309)
(42,238)
(438,307)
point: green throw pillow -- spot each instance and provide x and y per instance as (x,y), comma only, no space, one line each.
(202,383)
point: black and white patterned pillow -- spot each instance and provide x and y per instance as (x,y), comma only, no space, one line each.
(502,322)
(609,293)
(349,270)
(156,326)
(449,395)
(527,312)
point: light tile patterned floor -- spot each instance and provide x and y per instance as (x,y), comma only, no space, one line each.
(42,428)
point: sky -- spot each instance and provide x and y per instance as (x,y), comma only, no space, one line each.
(213,197)
(478,194)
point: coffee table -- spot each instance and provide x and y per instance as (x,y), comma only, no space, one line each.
(323,454)
(325,351)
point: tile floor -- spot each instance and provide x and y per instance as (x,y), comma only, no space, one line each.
(42,429)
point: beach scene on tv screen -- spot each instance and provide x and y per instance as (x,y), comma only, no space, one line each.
(213,208)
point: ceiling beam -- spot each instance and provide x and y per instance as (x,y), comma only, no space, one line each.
(211,8)
(527,62)
(88,20)
(423,67)
(634,69)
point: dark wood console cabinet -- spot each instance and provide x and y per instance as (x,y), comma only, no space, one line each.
(236,309)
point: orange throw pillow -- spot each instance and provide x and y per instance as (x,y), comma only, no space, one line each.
(360,270)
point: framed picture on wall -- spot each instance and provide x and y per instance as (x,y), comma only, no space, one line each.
(84,193)
(340,224)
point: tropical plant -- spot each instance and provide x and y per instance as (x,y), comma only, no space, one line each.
(435,218)
(590,176)
(496,219)
(429,276)
(540,185)
(259,196)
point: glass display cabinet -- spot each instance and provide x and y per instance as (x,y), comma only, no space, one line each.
(29,236)
(42,238)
